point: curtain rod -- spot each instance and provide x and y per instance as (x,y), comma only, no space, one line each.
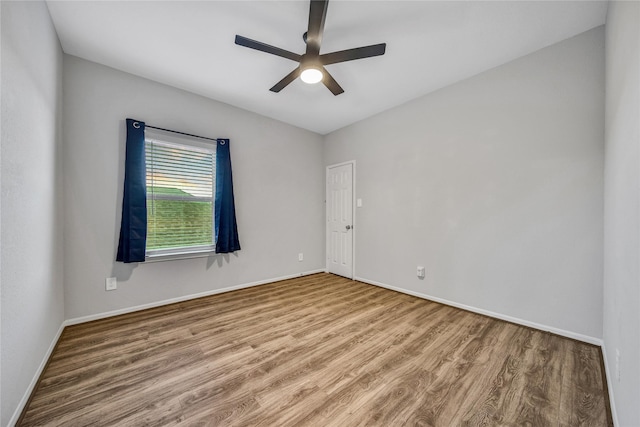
(181,133)
(184,133)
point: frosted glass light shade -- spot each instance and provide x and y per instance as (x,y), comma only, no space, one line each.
(311,75)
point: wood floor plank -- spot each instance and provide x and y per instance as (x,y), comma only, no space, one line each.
(585,404)
(318,350)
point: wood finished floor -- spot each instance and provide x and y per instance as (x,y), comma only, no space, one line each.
(316,351)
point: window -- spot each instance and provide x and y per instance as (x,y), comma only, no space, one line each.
(180,182)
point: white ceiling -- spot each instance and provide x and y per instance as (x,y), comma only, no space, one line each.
(430,44)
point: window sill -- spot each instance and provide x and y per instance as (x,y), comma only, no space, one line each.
(179,255)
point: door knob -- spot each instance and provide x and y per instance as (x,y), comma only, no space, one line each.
(348,227)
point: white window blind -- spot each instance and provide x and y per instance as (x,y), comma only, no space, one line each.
(180,195)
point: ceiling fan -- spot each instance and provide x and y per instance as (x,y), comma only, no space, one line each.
(311,63)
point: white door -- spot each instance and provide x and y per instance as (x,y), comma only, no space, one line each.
(340,220)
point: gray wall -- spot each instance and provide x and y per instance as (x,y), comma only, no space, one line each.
(31,254)
(622,209)
(278,181)
(495,185)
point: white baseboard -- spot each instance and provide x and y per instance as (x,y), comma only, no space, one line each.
(612,405)
(562,332)
(104,315)
(36,377)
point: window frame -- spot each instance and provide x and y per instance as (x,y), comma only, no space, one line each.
(173,139)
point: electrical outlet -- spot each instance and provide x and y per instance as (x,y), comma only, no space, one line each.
(420,272)
(110,284)
(300,256)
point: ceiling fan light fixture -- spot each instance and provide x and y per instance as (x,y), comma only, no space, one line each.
(311,75)
(311,63)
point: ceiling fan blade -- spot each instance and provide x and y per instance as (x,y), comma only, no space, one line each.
(351,54)
(286,80)
(331,83)
(252,44)
(317,15)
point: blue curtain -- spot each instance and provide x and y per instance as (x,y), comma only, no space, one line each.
(226,228)
(133,229)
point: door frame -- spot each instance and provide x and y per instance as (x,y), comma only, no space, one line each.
(353,215)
